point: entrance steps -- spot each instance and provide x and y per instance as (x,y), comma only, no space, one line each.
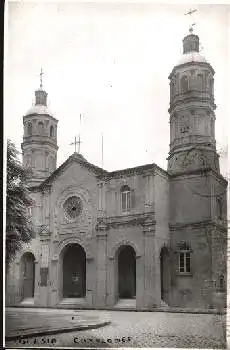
(125,304)
(27,301)
(73,303)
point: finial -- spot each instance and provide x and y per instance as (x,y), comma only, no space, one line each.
(191,28)
(41,74)
(190,12)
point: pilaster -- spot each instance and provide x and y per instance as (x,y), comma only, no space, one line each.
(101,282)
(44,278)
(149,266)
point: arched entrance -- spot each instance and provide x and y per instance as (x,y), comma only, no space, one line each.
(126,272)
(74,272)
(28,275)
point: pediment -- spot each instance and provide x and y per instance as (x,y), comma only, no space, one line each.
(74,159)
(44,232)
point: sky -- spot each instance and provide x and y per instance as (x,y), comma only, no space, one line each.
(110,62)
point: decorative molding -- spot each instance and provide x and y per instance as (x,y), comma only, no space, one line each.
(142,219)
(139,170)
(44,233)
(117,245)
(71,240)
(197,224)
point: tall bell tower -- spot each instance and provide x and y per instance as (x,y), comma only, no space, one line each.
(39,147)
(197,200)
(192,111)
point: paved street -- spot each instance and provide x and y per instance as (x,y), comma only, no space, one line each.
(138,329)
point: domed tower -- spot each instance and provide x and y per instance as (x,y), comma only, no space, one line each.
(192,111)
(197,191)
(39,147)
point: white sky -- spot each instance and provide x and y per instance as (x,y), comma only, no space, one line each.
(110,62)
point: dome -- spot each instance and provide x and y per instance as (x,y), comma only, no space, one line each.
(191,57)
(39,109)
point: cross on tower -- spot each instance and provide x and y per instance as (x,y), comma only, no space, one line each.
(41,74)
(190,12)
(75,143)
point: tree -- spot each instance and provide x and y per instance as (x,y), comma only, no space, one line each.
(19,228)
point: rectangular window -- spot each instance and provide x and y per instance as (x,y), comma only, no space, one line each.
(184,262)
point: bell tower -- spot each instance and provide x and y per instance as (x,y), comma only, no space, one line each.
(39,147)
(192,111)
(197,191)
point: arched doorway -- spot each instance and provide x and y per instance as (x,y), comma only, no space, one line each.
(28,275)
(74,272)
(126,273)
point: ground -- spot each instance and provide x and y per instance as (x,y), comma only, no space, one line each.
(129,329)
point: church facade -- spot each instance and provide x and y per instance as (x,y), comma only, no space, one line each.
(143,237)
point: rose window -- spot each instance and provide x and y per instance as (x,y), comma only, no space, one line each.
(73,207)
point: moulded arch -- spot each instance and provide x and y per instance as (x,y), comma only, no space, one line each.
(24,251)
(117,245)
(64,244)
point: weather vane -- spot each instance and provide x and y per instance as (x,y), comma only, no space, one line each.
(41,74)
(190,12)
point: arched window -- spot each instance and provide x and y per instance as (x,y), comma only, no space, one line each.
(200,82)
(221,283)
(184,84)
(219,208)
(52,131)
(125,198)
(40,128)
(211,85)
(29,129)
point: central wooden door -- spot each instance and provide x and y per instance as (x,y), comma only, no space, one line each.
(127,273)
(74,272)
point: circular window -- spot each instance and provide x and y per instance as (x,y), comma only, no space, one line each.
(73,207)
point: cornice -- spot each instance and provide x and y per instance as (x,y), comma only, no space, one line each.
(147,220)
(29,116)
(139,170)
(191,64)
(190,97)
(197,224)
(39,140)
(200,171)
